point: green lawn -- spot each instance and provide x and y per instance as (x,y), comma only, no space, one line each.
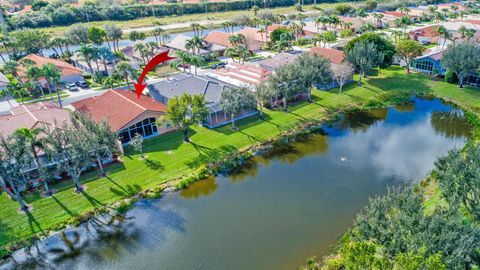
(169,158)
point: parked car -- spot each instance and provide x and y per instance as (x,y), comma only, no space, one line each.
(82,84)
(219,65)
(71,87)
(425,42)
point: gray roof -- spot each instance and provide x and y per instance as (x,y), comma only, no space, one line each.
(279,60)
(193,85)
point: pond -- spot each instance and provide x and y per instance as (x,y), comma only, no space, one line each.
(278,209)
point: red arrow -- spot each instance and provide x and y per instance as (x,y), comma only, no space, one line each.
(160,58)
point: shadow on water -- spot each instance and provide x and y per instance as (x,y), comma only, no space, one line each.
(200,188)
(451,124)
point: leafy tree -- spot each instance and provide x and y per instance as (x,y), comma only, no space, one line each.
(342,73)
(236,100)
(12,68)
(346,33)
(364,56)
(276,34)
(312,70)
(14,158)
(78,34)
(262,95)
(328,37)
(96,35)
(458,176)
(409,49)
(135,35)
(29,41)
(137,144)
(255,10)
(383,45)
(462,59)
(186,111)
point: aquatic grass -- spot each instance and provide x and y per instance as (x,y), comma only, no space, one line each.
(183,163)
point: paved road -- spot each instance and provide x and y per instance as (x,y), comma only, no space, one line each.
(6,104)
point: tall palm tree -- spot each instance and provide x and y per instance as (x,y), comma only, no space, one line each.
(378,18)
(105,55)
(124,69)
(197,43)
(34,73)
(86,52)
(444,34)
(52,75)
(12,68)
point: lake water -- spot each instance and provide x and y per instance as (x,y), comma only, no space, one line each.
(278,209)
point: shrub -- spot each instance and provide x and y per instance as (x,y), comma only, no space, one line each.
(451,77)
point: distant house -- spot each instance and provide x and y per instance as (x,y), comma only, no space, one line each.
(126,114)
(427,34)
(210,88)
(279,60)
(179,42)
(335,57)
(70,73)
(218,40)
(429,64)
(241,75)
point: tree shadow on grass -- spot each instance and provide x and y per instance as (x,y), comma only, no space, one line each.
(162,143)
(32,222)
(94,202)
(412,83)
(208,155)
(63,206)
(126,191)
(154,164)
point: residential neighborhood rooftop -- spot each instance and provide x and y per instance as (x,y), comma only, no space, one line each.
(118,107)
(40,114)
(332,55)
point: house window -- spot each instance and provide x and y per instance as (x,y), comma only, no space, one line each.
(424,65)
(147,127)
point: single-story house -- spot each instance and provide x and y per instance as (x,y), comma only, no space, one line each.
(218,40)
(178,43)
(126,113)
(70,73)
(429,63)
(279,60)
(335,57)
(210,88)
(241,75)
(426,34)
(35,115)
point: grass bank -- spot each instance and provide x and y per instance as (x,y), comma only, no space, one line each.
(168,158)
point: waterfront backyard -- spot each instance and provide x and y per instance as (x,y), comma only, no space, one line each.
(168,158)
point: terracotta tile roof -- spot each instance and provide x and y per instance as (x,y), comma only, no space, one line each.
(332,55)
(33,115)
(246,73)
(429,31)
(219,38)
(118,107)
(66,68)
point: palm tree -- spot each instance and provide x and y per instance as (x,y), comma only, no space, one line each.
(444,34)
(184,58)
(86,53)
(197,29)
(378,18)
(197,61)
(105,55)
(52,75)
(255,10)
(12,68)
(404,10)
(195,42)
(262,31)
(33,73)
(124,69)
